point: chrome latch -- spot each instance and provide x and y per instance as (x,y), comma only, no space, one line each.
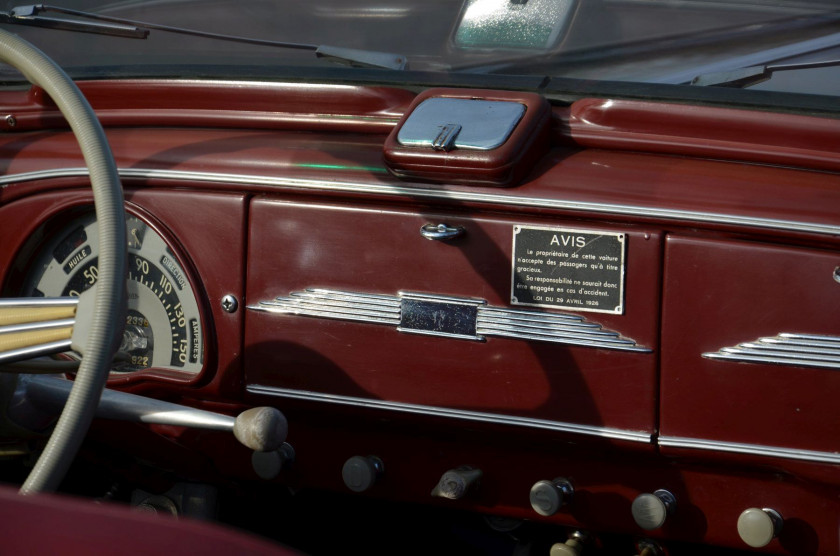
(445,140)
(441,232)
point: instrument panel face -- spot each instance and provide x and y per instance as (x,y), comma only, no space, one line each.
(163,324)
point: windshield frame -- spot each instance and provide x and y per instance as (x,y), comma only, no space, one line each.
(559,88)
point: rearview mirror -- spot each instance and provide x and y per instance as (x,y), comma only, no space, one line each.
(513,24)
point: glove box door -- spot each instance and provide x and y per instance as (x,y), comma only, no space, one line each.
(357,307)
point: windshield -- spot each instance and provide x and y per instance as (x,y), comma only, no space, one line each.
(636,41)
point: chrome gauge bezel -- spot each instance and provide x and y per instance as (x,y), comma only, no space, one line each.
(157,285)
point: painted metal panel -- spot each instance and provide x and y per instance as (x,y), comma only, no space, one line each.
(721,294)
(376,251)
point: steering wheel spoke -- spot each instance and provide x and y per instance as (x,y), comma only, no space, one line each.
(34,327)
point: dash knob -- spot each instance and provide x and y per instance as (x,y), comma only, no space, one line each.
(262,429)
(268,465)
(572,547)
(456,483)
(757,527)
(647,547)
(547,497)
(361,472)
(650,510)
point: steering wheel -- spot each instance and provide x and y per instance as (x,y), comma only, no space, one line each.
(105,326)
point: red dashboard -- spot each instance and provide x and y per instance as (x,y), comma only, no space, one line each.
(700,357)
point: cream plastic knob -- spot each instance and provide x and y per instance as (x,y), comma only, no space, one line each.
(757,527)
(651,510)
(571,547)
(547,497)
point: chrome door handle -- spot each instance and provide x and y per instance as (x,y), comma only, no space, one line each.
(441,232)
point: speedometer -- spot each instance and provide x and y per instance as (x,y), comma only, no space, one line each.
(163,325)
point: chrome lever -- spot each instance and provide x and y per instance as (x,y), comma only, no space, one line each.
(441,232)
(38,399)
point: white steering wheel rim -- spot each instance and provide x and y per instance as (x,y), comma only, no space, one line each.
(107,322)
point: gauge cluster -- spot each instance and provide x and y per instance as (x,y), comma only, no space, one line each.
(163,328)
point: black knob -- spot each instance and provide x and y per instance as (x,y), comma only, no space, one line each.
(361,472)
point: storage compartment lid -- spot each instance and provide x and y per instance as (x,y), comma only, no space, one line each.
(447,123)
(470,137)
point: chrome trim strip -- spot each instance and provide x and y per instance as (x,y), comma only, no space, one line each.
(807,340)
(339,294)
(754,449)
(799,350)
(334,304)
(534,316)
(417,192)
(489,321)
(503,325)
(451,299)
(740,358)
(618,345)
(785,349)
(550,327)
(439,334)
(601,432)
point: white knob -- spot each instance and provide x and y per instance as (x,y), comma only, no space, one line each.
(571,547)
(757,527)
(650,510)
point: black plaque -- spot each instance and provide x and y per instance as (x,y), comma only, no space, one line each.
(570,269)
(438,317)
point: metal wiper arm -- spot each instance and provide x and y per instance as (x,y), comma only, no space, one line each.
(25,15)
(119,27)
(744,77)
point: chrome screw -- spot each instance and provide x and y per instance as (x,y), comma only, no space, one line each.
(11,121)
(230,304)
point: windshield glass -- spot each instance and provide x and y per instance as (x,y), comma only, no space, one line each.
(647,41)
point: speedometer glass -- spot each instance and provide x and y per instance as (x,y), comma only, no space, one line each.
(163,325)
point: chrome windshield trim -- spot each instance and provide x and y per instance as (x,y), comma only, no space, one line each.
(753,449)
(500,419)
(416,192)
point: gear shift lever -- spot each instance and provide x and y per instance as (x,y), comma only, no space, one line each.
(40,397)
